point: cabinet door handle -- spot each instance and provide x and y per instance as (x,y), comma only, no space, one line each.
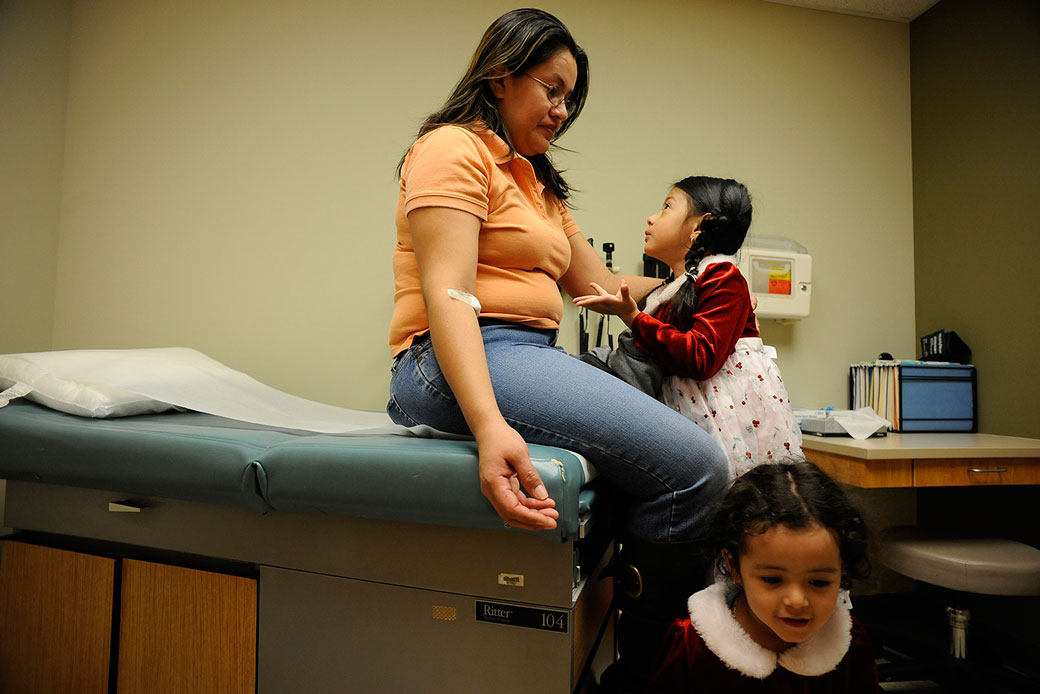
(990,469)
(126,506)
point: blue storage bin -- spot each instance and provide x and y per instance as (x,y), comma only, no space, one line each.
(937,397)
(917,396)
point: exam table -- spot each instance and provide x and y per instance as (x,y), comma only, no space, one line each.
(377,564)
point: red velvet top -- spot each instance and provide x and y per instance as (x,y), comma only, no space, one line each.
(687,665)
(722,317)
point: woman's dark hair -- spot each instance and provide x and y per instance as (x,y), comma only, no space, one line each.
(795,495)
(728,206)
(514,43)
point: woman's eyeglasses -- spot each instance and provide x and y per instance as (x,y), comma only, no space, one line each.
(556,96)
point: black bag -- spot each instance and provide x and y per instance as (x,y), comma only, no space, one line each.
(629,363)
(944,345)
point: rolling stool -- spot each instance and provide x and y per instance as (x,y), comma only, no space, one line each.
(988,566)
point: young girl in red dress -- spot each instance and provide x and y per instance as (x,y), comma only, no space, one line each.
(786,541)
(700,327)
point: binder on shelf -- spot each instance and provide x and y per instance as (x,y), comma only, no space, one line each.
(917,396)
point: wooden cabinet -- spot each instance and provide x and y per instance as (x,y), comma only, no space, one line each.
(185,630)
(55,620)
(870,474)
(179,630)
(928,460)
(971,472)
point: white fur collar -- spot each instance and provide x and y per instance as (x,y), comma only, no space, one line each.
(713,619)
(663,294)
(712,259)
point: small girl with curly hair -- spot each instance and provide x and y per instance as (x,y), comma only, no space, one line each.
(696,342)
(786,541)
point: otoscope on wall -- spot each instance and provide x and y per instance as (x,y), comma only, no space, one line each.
(583,324)
(608,250)
(584,320)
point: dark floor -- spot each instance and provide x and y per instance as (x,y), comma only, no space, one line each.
(911,633)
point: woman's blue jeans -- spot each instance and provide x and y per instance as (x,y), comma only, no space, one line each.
(668,469)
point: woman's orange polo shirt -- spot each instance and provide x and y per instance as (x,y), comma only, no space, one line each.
(523,248)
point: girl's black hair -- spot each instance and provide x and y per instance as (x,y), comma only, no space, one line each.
(514,43)
(795,495)
(728,205)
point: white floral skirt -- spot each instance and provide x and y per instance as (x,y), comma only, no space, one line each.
(744,407)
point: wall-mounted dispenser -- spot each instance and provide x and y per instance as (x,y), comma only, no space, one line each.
(779,273)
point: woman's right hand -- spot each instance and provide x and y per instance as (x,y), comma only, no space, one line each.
(510,481)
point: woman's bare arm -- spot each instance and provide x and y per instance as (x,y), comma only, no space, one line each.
(587,267)
(445,243)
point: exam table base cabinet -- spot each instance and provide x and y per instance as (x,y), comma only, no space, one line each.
(341,604)
(55,620)
(171,629)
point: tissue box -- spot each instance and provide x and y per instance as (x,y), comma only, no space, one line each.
(859,424)
(917,396)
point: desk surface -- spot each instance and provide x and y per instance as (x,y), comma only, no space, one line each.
(927,460)
(926,446)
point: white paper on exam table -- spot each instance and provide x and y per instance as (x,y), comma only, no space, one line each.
(187,379)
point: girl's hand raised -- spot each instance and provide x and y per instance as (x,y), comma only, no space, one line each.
(621,304)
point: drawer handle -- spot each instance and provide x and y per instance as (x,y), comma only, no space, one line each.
(126,506)
(990,469)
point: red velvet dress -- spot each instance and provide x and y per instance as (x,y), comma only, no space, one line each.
(838,659)
(722,317)
(725,379)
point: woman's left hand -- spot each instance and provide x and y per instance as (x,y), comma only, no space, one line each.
(621,304)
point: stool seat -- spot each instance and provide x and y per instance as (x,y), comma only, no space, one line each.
(990,566)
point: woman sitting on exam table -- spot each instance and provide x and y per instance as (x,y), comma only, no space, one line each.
(484,236)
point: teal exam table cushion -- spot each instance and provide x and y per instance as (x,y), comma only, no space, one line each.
(205,458)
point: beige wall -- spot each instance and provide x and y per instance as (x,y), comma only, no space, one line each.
(976,112)
(228,174)
(34,37)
